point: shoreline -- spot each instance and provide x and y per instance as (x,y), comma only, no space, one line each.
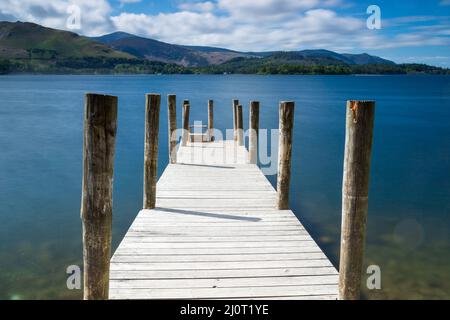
(224,75)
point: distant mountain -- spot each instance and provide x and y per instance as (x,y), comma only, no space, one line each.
(325,54)
(347,58)
(365,58)
(216,56)
(22,40)
(153,50)
(351,59)
(195,56)
(31,48)
(304,58)
(212,49)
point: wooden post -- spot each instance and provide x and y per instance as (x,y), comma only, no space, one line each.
(254,132)
(355,186)
(151,149)
(235,104)
(284,153)
(185,135)
(211,120)
(172,118)
(100,127)
(240,126)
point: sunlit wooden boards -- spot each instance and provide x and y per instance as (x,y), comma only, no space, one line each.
(216,234)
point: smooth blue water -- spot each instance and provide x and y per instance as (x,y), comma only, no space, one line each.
(408,227)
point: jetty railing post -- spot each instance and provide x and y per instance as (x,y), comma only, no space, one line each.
(284,153)
(211,120)
(152,107)
(235,105)
(185,135)
(355,187)
(240,126)
(172,116)
(254,132)
(100,127)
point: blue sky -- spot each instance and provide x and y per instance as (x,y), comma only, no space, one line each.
(411,30)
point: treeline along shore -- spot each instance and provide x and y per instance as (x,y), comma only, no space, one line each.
(235,66)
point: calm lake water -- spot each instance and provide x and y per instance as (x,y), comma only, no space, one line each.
(409,205)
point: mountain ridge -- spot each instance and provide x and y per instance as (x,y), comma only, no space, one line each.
(23,39)
(30,48)
(155,50)
(200,56)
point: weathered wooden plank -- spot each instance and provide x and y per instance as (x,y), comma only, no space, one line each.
(199,245)
(248,211)
(173,233)
(206,217)
(228,224)
(217,257)
(196,239)
(276,249)
(200,293)
(225,283)
(211,215)
(232,273)
(219,265)
(215,230)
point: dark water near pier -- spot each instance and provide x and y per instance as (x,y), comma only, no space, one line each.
(408,227)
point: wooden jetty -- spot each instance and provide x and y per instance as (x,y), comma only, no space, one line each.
(216,233)
(213,227)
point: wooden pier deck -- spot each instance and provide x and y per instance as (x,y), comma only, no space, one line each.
(216,234)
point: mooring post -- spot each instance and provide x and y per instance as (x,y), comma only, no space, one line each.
(172,117)
(235,105)
(355,186)
(211,120)
(185,135)
(240,126)
(151,149)
(100,127)
(254,132)
(284,153)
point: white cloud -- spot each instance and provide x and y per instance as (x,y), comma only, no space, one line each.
(246,25)
(181,27)
(95,15)
(207,6)
(265,7)
(308,29)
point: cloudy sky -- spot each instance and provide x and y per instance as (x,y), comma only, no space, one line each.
(411,30)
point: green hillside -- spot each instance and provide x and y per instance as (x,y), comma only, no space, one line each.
(25,40)
(29,48)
